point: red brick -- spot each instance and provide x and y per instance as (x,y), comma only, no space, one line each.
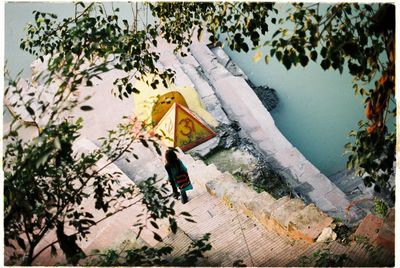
(369,227)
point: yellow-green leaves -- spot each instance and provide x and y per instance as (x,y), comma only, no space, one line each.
(257,56)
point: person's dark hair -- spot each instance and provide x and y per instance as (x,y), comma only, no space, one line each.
(171,157)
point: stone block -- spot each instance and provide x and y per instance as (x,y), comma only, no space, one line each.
(230,100)
(327,235)
(204,173)
(259,206)
(188,60)
(239,193)
(258,134)
(222,57)
(281,201)
(283,213)
(385,238)
(224,185)
(248,123)
(308,223)
(321,202)
(268,147)
(320,183)
(205,148)
(202,87)
(338,198)
(304,188)
(305,170)
(213,106)
(276,226)
(211,187)
(370,227)
(227,201)
(267,197)
(390,218)
(379,231)
(266,216)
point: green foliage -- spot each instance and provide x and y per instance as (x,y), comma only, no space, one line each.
(146,256)
(380,208)
(343,36)
(373,252)
(237,21)
(96,39)
(378,164)
(46,181)
(323,258)
(194,252)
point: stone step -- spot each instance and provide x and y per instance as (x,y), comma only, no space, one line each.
(308,223)
(203,173)
(187,159)
(281,215)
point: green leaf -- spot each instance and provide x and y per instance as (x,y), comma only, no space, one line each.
(190,220)
(266,59)
(325,64)
(42,160)
(30,110)
(157,147)
(257,56)
(157,237)
(245,47)
(86,108)
(155,225)
(89,83)
(276,33)
(173,225)
(278,55)
(324,52)
(287,61)
(144,142)
(303,60)
(184,213)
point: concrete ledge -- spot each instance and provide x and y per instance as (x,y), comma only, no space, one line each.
(242,104)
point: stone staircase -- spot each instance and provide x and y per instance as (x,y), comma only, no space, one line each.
(285,216)
(244,225)
(205,70)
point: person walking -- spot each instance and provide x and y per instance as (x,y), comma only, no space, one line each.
(177,175)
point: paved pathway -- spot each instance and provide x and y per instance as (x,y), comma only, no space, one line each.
(234,236)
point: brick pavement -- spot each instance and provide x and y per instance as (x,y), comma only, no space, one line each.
(234,236)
